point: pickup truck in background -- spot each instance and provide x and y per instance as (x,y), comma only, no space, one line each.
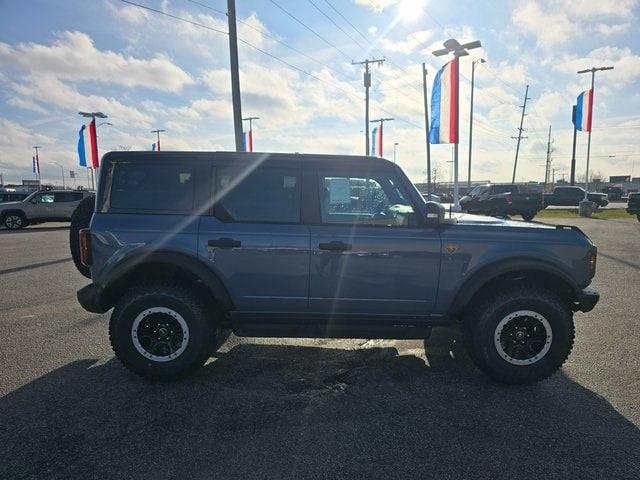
(572,196)
(633,205)
(502,200)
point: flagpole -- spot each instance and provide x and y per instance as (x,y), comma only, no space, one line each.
(456,186)
(586,179)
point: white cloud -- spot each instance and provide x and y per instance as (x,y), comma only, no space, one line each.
(73,56)
(376,5)
(626,65)
(410,44)
(372,30)
(554,22)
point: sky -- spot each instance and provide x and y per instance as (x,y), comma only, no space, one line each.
(149,70)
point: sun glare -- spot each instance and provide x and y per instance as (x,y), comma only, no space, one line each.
(410,10)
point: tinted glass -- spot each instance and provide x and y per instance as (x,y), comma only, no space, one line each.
(504,189)
(68,196)
(377,200)
(153,186)
(265,195)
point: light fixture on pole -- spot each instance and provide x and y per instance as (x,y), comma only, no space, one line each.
(157,132)
(248,140)
(473,71)
(458,50)
(593,71)
(93,138)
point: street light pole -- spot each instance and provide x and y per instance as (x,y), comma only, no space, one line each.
(473,71)
(62,170)
(593,71)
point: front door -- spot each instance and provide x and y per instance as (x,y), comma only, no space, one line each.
(371,254)
(255,241)
(43,206)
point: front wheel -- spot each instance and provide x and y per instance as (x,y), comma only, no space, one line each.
(521,335)
(162,332)
(15,221)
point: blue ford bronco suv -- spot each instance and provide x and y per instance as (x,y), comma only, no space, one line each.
(183,244)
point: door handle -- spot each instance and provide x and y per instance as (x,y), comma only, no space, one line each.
(224,243)
(335,246)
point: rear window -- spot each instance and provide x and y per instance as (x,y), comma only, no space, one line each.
(153,186)
(505,189)
(265,195)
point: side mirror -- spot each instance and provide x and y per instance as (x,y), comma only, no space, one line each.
(435,213)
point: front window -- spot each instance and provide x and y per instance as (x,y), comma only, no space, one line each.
(44,198)
(373,200)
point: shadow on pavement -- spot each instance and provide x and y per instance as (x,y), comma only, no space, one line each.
(275,411)
(31,229)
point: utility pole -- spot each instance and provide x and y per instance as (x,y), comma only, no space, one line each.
(367,84)
(520,130)
(235,74)
(157,132)
(426,126)
(249,147)
(381,122)
(593,71)
(573,151)
(473,71)
(547,169)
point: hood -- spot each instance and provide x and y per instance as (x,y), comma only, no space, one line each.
(481,220)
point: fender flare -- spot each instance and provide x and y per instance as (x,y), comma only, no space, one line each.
(480,277)
(180,261)
(4,213)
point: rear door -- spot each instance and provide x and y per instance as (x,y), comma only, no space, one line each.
(255,240)
(370,254)
(65,203)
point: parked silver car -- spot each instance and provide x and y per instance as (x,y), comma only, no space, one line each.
(39,207)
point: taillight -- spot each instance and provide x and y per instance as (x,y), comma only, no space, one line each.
(85,247)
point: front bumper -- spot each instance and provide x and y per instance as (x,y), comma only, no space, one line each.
(91,297)
(586,299)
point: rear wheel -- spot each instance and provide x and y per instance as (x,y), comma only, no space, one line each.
(162,332)
(522,335)
(80,219)
(528,216)
(15,220)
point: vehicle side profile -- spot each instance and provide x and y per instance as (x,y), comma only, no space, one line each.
(572,196)
(633,204)
(12,196)
(182,244)
(40,207)
(502,200)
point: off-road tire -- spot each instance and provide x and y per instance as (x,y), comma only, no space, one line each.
(199,319)
(80,218)
(528,216)
(9,222)
(482,319)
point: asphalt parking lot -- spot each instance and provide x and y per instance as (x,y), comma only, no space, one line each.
(275,408)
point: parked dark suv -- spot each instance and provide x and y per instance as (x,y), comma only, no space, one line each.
(277,245)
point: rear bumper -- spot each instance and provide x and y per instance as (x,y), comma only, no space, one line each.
(91,297)
(586,299)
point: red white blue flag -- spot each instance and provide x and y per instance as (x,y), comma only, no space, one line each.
(36,165)
(584,111)
(444,104)
(376,141)
(88,145)
(155,146)
(247,141)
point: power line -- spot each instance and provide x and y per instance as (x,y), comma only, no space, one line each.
(175,17)
(335,23)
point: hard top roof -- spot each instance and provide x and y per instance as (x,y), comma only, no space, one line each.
(254,156)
